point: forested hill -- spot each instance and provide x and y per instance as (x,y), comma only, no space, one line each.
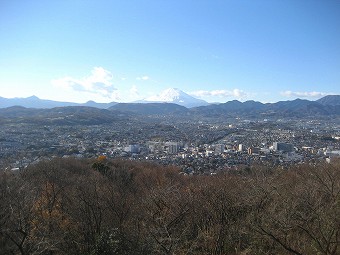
(291,109)
(69,115)
(68,206)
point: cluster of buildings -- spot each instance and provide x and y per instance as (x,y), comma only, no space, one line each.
(197,147)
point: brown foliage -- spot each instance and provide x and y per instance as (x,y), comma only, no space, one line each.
(68,206)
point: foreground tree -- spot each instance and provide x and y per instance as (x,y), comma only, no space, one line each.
(298,211)
(68,206)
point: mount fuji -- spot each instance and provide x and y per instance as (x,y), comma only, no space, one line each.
(175,96)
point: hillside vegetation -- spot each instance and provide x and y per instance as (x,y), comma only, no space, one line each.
(68,206)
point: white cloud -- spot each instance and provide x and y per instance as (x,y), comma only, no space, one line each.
(143,78)
(220,93)
(99,82)
(289,93)
(116,96)
(134,91)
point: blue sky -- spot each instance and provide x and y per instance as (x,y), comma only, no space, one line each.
(102,50)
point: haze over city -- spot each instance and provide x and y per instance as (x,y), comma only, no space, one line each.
(126,51)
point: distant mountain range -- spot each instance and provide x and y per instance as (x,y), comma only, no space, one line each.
(330,100)
(35,102)
(326,106)
(171,95)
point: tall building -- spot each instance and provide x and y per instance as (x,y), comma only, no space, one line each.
(154,146)
(252,150)
(219,148)
(173,148)
(132,148)
(284,147)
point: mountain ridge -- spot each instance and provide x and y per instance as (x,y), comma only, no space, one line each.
(329,100)
(326,106)
(66,115)
(36,102)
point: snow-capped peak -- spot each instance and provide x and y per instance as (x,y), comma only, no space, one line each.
(168,95)
(176,96)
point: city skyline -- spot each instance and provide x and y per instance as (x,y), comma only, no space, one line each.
(125,51)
